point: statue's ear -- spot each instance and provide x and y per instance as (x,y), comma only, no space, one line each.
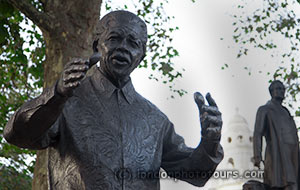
(95,44)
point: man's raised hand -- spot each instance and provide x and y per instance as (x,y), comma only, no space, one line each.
(74,71)
(210,117)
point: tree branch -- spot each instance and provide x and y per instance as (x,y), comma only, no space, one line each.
(42,20)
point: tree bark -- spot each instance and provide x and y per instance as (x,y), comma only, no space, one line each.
(68,29)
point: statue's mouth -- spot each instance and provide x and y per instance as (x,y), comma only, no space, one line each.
(120,59)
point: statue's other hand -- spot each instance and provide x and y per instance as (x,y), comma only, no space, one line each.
(71,76)
(257,163)
(210,117)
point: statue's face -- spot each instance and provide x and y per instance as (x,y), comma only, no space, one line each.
(278,91)
(121,48)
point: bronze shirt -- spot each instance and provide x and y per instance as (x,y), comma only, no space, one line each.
(109,138)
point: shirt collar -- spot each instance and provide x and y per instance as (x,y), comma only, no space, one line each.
(106,88)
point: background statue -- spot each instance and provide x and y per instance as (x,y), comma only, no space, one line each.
(274,122)
(253,185)
(100,133)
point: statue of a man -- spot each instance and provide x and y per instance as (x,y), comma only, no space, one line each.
(102,134)
(274,122)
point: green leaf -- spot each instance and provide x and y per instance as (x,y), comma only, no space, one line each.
(3,34)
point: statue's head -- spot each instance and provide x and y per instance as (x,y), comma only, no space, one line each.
(277,90)
(121,39)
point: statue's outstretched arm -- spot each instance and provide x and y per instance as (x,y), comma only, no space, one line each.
(195,165)
(32,120)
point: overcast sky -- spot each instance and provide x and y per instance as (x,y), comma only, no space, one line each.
(202,54)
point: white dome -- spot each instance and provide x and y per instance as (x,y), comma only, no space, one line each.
(237,134)
(237,124)
(238,152)
(237,119)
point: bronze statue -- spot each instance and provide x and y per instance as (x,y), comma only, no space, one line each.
(102,134)
(274,122)
(253,185)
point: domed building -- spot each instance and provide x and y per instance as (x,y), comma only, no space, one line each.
(237,141)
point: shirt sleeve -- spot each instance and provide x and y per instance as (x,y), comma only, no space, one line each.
(35,124)
(194,166)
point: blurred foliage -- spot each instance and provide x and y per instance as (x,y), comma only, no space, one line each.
(20,70)
(22,52)
(274,27)
(10,179)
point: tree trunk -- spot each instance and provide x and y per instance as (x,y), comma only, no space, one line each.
(68,29)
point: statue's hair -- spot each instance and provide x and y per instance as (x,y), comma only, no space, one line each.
(123,17)
(272,85)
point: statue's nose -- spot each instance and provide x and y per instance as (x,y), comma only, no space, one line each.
(123,44)
(123,47)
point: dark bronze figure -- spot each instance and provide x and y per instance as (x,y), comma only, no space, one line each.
(274,122)
(101,134)
(253,185)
